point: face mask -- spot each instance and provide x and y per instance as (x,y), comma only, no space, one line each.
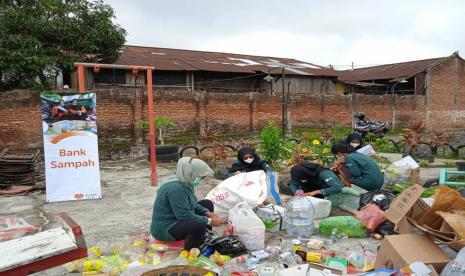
(248,160)
(354,145)
(197,181)
(341,158)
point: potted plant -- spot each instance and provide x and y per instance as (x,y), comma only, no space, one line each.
(163,152)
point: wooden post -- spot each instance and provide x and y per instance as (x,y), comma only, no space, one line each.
(81,78)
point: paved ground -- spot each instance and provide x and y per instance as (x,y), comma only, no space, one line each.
(126,206)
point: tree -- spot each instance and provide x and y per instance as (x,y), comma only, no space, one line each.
(40,38)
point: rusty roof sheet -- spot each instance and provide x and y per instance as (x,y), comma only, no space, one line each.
(392,71)
(187,60)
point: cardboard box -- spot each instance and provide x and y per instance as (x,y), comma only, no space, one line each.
(272,215)
(410,213)
(397,251)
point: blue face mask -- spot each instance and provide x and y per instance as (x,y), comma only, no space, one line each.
(197,181)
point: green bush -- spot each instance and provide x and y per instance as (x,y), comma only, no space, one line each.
(161,124)
(271,143)
(384,145)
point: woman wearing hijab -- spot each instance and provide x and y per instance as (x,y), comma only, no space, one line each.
(177,215)
(355,141)
(313,179)
(363,171)
(248,161)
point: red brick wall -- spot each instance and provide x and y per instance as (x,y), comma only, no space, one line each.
(118,110)
(446,95)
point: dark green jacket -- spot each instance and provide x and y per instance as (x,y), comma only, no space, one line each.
(364,172)
(332,184)
(175,202)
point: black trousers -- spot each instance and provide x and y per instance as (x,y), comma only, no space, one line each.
(192,231)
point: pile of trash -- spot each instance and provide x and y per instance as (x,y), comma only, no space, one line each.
(386,235)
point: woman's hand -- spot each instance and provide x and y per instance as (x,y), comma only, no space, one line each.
(313,193)
(216,220)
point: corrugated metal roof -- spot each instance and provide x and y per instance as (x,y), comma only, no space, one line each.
(187,60)
(393,71)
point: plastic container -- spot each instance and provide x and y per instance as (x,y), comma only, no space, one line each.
(322,207)
(299,216)
(343,225)
(348,199)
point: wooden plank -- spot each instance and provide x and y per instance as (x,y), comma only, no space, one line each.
(35,247)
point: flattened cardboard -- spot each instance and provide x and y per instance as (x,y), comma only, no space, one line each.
(403,203)
(397,251)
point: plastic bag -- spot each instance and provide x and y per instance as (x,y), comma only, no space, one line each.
(229,245)
(14,227)
(457,266)
(400,173)
(343,224)
(372,215)
(382,198)
(273,187)
(245,187)
(244,223)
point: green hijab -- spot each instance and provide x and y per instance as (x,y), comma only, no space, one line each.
(190,168)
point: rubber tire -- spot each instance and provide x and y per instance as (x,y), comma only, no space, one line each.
(167,157)
(166,149)
(431,183)
(181,152)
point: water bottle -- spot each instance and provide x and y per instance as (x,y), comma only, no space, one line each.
(299,216)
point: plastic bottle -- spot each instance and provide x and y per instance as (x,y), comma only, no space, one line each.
(299,216)
(193,255)
(289,259)
(94,252)
(343,225)
(74,266)
(237,264)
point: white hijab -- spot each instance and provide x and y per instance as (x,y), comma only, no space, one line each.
(190,168)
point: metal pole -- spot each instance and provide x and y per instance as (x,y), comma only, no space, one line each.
(283,116)
(153,160)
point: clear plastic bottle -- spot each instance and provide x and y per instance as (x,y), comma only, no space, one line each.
(299,216)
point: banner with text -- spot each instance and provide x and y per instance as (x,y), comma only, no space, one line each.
(70,146)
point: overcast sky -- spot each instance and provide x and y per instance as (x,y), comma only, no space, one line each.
(327,32)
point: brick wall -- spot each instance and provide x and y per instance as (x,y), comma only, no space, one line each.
(446,94)
(119,108)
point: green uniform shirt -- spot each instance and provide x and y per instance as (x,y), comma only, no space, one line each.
(175,202)
(364,172)
(332,184)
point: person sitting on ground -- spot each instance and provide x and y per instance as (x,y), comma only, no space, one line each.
(78,111)
(59,111)
(355,141)
(313,179)
(248,161)
(363,171)
(176,213)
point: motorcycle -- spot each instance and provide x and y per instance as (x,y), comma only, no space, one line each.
(364,126)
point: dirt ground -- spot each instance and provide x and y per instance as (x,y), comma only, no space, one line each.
(124,210)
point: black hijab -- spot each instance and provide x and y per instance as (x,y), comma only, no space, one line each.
(355,136)
(310,172)
(246,167)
